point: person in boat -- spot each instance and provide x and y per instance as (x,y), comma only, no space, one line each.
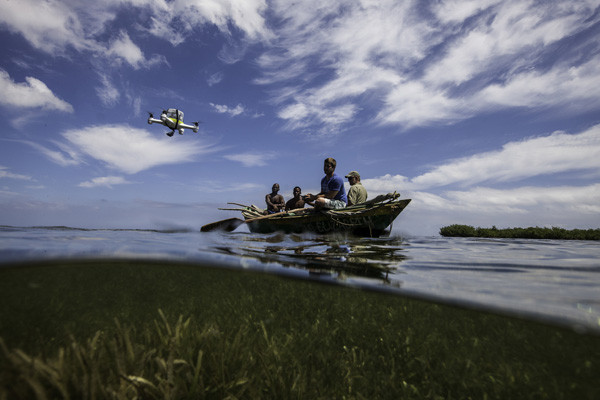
(275,201)
(357,193)
(333,193)
(296,201)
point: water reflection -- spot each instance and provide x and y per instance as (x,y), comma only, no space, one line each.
(334,254)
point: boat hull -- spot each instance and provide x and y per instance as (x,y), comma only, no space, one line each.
(370,221)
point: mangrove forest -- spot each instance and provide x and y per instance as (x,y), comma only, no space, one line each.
(520,233)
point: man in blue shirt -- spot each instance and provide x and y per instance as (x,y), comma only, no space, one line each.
(333,193)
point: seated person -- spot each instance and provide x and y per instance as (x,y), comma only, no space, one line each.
(275,202)
(333,193)
(296,201)
(357,193)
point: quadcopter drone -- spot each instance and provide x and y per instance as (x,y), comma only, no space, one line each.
(172,119)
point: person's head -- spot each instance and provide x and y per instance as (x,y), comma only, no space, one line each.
(275,187)
(329,165)
(297,191)
(353,177)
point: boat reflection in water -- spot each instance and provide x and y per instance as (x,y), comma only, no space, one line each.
(337,254)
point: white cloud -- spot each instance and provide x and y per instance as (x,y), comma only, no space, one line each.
(132,150)
(251,159)
(106,181)
(584,199)
(429,64)
(559,152)
(123,49)
(214,79)
(32,93)
(72,23)
(458,10)
(48,25)
(66,157)
(533,157)
(386,184)
(136,104)
(9,175)
(108,93)
(243,16)
(563,85)
(219,187)
(544,204)
(472,203)
(223,109)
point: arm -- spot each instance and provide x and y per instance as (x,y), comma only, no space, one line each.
(331,194)
(280,202)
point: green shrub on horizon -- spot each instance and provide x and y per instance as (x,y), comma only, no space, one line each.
(556,233)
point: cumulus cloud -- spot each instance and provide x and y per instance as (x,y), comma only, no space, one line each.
(32,93)
(122,49)
(251,159)
(131,150)
(105,181)
(223,109)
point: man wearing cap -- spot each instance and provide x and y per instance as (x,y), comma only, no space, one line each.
(357,193)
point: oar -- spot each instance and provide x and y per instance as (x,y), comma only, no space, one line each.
(230,224)
(227,225)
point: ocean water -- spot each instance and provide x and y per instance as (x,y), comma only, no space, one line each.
(553,281)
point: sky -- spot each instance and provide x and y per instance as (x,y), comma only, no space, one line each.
(483,112)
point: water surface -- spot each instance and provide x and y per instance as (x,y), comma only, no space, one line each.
(549,280)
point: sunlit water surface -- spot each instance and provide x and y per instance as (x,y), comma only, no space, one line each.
(548,280)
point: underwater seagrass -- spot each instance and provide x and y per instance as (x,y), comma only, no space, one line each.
(127,329)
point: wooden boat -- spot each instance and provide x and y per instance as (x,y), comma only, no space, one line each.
(371,218)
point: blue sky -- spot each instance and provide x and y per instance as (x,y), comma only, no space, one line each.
(484,112)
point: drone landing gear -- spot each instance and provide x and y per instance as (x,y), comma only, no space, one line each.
(170,134)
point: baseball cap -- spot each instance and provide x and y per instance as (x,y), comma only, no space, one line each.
(353,173)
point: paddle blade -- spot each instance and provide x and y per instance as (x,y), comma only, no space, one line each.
(226,225)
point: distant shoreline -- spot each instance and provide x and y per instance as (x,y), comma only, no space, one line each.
(457,230)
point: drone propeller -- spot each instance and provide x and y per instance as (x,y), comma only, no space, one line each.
(150,114)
